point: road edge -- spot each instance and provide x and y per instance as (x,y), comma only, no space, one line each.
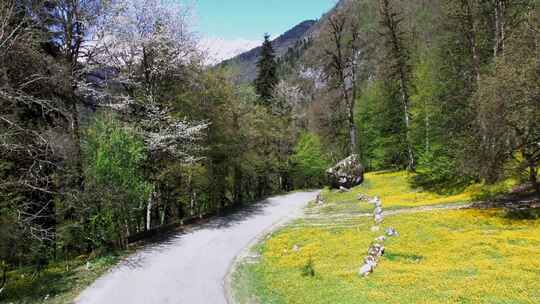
(227,280)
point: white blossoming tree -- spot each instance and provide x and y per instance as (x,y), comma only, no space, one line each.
(288,99)
(146,41)
(148,44)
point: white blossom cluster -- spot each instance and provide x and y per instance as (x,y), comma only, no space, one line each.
(288,98)
(138,30)
(316,75)
(164,134)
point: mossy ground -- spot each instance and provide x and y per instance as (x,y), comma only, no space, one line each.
(444,256)
(58,283)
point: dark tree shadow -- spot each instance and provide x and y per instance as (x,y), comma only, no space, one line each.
(163,239)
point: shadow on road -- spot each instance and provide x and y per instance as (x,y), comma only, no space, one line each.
(163,240)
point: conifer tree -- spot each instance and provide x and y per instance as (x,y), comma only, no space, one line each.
(267,71)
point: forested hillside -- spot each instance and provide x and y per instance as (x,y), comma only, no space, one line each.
(245,64)
(111,125)
(445,88)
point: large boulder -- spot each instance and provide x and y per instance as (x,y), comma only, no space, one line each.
(347,173)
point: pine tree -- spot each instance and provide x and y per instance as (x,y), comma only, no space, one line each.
(267,71)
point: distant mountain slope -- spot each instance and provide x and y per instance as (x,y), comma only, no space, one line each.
(247,62)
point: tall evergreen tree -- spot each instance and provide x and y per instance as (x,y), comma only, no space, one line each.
(267,77)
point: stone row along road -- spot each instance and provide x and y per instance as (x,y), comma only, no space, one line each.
(191,267)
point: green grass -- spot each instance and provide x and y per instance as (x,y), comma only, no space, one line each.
(58,283)
(446,256)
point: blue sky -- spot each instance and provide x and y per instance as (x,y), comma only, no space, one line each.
(229,27)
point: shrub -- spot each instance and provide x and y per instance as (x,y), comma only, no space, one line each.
(308,270)
(309,162)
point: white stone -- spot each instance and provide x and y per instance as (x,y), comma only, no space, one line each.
(370,260)
(391,232)
(374,200)
(363,197)
(343,189)
(365,270)
(378,218)
(380,239)
(376,250)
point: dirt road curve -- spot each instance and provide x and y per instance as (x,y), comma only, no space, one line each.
(190,268)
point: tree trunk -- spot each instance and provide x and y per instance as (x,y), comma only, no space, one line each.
(500,25)
(238,195)
(192,197)
(191,192)
(341,62)
(76,134)
(471,36)
(73,39)
(4,279)
(428,128)
(285,181)
(352,129)
(411,164)
(400,55)
(149,211)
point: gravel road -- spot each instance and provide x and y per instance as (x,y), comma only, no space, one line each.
(190,268)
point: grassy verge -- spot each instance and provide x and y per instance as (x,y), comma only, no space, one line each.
(445,256)
(58,283)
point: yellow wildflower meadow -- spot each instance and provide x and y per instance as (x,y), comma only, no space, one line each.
(396,193)
(444,256)
(463,256)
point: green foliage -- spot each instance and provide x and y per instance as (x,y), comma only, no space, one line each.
(309,162)
(438,167)
(437,172)
(460,96)
(308,270)
(381,127)
(115,190)
(491,191)
(267,71)
(508,113)
(114,156)
(525,214)
(426,108)
(247,146)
